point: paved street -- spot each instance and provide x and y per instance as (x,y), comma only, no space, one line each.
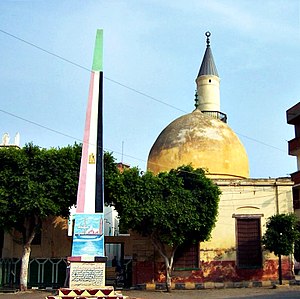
(261,293)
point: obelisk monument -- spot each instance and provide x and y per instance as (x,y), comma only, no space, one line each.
(87,263)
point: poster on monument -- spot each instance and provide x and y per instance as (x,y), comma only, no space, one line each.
(88,238)
(87,275)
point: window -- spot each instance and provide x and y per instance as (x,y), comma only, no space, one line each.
(249,253)
(114,253)
(186,257)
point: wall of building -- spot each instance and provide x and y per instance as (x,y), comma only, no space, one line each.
(260,198)
(265,197)
(218,257)
(55,242)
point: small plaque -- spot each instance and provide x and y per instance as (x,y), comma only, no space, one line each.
(92,159)
(87,275)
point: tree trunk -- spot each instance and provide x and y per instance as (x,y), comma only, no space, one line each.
(169,266)
(168,260)
(24,267)
(168,278)
(30,225)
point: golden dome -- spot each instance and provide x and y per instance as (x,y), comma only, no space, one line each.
(203,142)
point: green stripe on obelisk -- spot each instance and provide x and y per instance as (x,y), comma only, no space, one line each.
(98,52)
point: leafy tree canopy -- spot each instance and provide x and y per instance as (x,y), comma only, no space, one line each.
(172,208)
(36,183)
(281,234)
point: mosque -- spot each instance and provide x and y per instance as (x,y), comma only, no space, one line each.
(203,139)
(234,253)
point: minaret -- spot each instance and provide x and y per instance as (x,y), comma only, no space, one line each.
(208,85)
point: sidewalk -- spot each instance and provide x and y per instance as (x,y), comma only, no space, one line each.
(262,292)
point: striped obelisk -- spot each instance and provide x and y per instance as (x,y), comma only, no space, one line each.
(88,238)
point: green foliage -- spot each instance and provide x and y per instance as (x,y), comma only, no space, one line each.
(297,247)
(36,183)
(111,174)
(172,208)
(281,234)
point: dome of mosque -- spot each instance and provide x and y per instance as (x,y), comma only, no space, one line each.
(202,138)
(203,142)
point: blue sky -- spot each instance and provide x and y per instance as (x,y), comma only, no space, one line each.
(154,47)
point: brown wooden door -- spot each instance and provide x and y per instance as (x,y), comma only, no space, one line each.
(249,254)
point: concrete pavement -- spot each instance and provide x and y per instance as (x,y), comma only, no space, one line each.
(289,292)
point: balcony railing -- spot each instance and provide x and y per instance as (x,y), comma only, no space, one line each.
(217,114)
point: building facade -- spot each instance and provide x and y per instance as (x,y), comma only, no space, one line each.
(293,118)
(203,139)
(234,253)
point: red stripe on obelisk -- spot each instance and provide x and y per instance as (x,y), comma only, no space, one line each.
(85,147)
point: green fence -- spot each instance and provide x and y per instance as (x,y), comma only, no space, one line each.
(42,273)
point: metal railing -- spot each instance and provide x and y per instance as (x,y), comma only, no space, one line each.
(41,273)
(217,114)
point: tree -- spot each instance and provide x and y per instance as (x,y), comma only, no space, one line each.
(280,236)
(36,183)
(172,208)
(111,174)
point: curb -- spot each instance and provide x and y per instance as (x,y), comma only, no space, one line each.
(214,285)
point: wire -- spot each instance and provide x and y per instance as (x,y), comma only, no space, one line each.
(63,134)
(113,81)
(145,95)
(261,142)
(232,200)
(81,141)
(44,50)
(89,70)
(39,125)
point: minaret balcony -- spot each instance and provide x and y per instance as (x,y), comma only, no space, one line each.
(294,146)
(217,114)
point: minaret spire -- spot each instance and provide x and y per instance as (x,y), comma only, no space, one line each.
(208,66)
(208,84)
(208,34)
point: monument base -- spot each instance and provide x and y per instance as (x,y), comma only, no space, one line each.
(87,280)
(104,292)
